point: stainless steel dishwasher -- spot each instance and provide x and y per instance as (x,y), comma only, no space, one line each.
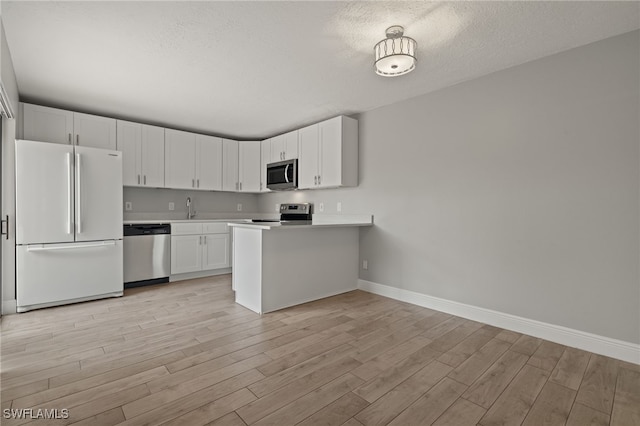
(147,254)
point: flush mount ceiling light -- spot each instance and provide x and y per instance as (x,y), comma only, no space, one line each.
(396,54)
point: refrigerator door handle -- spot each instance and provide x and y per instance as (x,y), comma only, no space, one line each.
(79,196)
(69,246)
(5,230)
(69,194)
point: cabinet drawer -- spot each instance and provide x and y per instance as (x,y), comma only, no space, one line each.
(186,228)
(215,228)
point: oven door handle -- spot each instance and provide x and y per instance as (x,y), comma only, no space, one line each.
(286,173)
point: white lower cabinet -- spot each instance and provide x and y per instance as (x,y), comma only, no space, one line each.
(199,246)
(215,253)
(186,253)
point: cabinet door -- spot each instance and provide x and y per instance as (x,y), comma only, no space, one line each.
(186,253)
(277,148)
(330,159)
(152,156)
(290,145)
(47,124)
(208,162)
(94,131)
(265,158)
(215,253)
(179,159)
(249,166)
(308,159)
(230,165)
(129,142)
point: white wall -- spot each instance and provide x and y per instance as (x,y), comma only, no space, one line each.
(517,192)
(8,78)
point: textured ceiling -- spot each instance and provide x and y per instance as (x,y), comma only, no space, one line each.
(254,69)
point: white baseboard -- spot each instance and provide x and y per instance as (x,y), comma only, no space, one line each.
(613,348)
(9,307)
(199,274)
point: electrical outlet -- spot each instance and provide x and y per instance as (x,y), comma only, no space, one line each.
(339,206)
(239,207)
(321,207)
(365,264)
(172,206)
(128,206)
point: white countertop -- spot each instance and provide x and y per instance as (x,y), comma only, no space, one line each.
(319,221)
(155,218)
(162,221)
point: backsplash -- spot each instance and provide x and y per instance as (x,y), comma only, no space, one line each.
(153,203)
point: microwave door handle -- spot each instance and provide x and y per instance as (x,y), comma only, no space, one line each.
(286,173)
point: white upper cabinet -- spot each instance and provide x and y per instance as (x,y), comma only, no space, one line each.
(192,161)
(265,158)
(46,124)
(152,156)
(277,148)
(142,149)
(309,157)
(328,156)
(249,166)
(230,155)
(208,162)
(66,127)
(94,131)
(284,147)
(327,152)
(129,141)
(291,142)
(179,159)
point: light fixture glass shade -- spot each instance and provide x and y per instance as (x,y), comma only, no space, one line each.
(396,54)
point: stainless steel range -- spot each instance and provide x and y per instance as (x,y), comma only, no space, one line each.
(292,213)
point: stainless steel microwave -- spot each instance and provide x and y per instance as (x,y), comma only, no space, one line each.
(282,175)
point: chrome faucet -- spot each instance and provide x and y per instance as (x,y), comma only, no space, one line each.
(191,212)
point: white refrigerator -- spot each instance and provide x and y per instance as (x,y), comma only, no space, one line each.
(68,224)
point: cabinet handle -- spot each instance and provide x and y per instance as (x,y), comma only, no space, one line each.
(69,138)
(240,186)
(319,179)
(138,179)
(315,180)
(193,183)
(204,240)
(77,139)
(198,183)
(145,179)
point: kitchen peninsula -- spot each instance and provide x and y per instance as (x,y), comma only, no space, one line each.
(277,265)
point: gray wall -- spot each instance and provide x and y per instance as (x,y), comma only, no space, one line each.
(146,201)
(518,191)
(8,78)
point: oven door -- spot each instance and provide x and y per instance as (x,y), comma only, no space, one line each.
(282,175)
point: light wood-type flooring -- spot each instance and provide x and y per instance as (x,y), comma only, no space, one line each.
(185,354)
